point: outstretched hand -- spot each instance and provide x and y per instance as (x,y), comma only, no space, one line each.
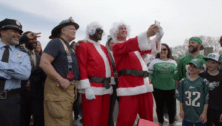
(153,29)
(33,35)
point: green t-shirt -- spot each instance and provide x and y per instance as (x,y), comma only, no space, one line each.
(181,67)
(162,73)
(193,95)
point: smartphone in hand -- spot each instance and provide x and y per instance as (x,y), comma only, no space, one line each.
(157,23)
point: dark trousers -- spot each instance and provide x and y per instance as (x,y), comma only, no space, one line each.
(165,97)
(9,111)
(31,106)
(165,110)
(76,107)
(113,99)
(213,117)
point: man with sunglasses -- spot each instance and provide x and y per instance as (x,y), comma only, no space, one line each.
(95,77)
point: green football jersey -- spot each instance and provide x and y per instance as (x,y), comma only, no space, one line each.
(181,67)
(220,68)
(162,73)
(193,95)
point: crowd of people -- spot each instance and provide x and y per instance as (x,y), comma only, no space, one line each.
(46,86)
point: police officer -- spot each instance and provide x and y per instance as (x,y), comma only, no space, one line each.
(60,64)
(14,66)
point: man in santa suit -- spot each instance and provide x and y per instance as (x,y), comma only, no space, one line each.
(95,77)
(134,88)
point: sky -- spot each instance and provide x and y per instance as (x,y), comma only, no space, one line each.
(180,19)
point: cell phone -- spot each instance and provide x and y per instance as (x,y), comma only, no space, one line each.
(157,23)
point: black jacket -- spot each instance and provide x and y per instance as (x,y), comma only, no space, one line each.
(37,80)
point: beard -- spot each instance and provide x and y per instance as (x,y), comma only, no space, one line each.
(30,46)
(193,49)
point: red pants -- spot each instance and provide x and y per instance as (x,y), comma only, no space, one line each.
(95,112)
(129,106)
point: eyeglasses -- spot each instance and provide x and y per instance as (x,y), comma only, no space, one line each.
(164,49)
(99,30)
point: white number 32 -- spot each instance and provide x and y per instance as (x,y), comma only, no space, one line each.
(189,101)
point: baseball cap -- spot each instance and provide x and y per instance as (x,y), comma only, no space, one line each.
(196,62)
(198,40)
(213,56)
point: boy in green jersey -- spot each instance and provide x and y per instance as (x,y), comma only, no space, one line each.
(192,93)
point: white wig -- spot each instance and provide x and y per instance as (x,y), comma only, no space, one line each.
(91,28)
(115,29)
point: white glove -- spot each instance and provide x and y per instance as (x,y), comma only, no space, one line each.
(89,94)
(159,35)
(156,40)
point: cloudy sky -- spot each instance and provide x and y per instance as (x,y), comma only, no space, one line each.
(180,19)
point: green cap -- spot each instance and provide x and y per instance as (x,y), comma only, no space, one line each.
(197,39)
(196,62)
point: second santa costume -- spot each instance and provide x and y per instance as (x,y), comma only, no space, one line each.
(134,87)
(94,62)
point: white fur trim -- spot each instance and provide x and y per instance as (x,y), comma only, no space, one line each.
(134,90)
(103,55)
(144,66)
(83,84)
(99,90)
(113,82)
(143,42)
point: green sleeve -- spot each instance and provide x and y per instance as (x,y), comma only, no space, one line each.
(178,75)
(150,76)
(175,74)
(151,69)
(179,92)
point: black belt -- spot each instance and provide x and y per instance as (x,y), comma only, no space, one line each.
(133,72)
(5,94)
(105,81)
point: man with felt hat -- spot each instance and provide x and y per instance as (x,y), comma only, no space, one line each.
(60,64)
(195,45)
(14,66)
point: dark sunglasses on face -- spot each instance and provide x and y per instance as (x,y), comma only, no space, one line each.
(99,30)
(164,49)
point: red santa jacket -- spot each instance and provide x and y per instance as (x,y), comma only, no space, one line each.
(128,55)
(94,61)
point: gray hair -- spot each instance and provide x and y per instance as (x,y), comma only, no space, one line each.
(115,29)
